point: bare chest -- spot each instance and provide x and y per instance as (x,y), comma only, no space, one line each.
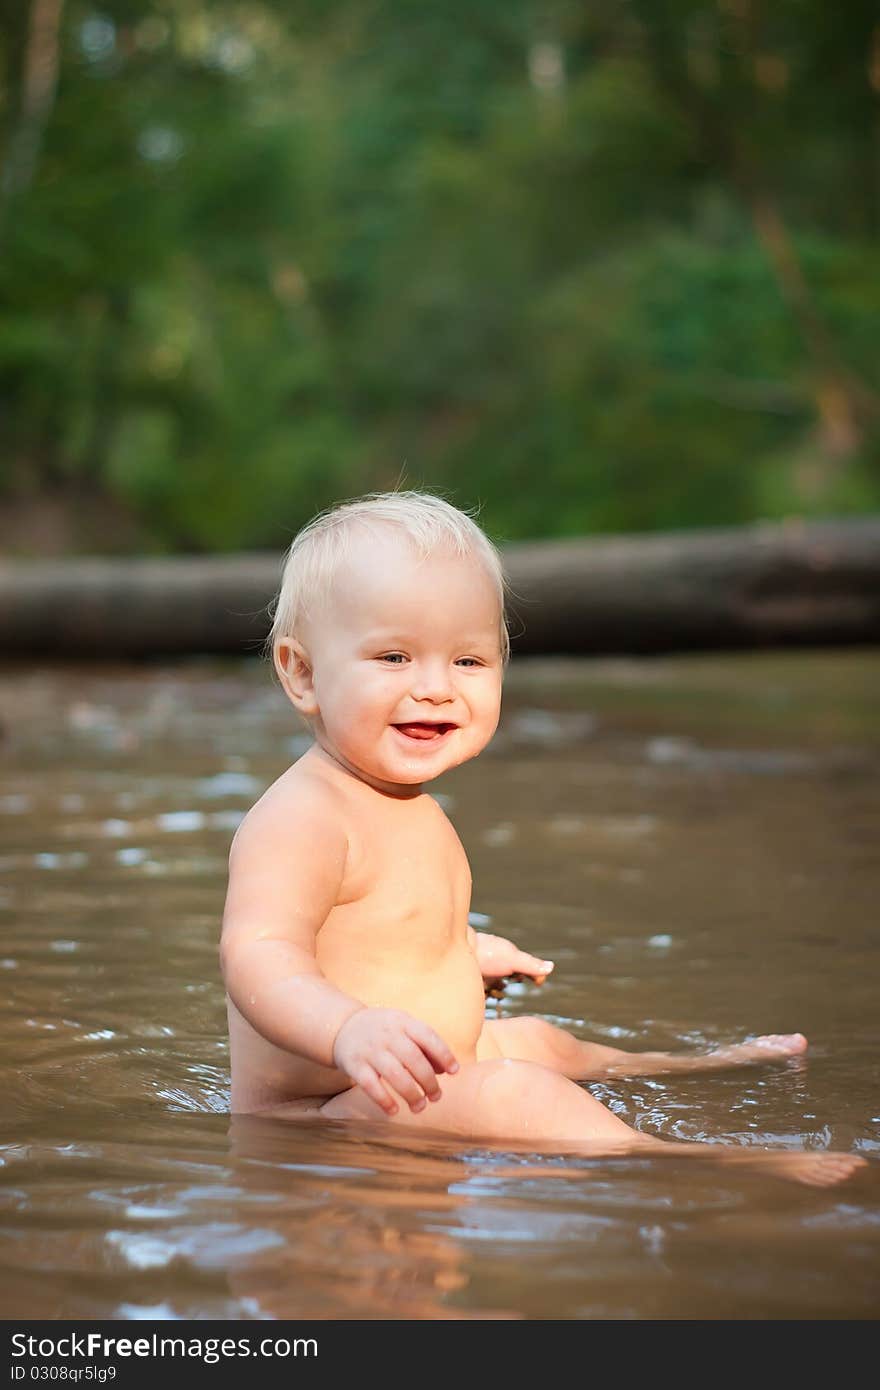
(406,893)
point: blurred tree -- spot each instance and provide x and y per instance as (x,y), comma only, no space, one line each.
(604,267)
(37,83)
(729,87)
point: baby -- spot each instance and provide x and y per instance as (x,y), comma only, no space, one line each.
(354,981)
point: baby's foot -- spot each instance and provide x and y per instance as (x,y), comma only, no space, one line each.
(768,1048)
(773,1047)
(813,1169)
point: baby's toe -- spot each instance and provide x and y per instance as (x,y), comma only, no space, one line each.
(790,1044)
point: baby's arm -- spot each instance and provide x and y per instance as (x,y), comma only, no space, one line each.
(497,957)
(285,871)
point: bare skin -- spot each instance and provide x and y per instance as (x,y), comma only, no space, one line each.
(354,981)
(535,1040)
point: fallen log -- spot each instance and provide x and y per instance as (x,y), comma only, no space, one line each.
(789,584)
(795,583)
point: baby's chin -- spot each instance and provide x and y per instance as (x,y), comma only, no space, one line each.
(391,768)
(387,774)
(414,774)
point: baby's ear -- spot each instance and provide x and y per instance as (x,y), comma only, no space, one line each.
(295,674)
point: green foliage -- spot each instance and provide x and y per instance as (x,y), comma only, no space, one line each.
(598,267)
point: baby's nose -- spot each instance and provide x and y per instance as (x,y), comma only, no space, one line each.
(432,682)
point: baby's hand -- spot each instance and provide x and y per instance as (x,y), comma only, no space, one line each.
(497,957)
(382,1048)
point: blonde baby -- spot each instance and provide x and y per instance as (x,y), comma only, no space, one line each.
(355,984)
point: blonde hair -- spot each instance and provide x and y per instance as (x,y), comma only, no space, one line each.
(317,551)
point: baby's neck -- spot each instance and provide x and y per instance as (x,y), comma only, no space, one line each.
(339,768)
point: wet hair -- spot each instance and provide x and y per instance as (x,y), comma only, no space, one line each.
(429,522)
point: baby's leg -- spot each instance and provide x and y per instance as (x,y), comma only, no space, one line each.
(535,1040)
(520,1102)
(499,1099)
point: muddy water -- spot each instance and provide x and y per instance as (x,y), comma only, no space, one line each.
(694,842)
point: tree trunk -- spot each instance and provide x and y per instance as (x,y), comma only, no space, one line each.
(767,585)
(38,84)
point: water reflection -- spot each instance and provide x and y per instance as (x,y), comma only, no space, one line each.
(698,854)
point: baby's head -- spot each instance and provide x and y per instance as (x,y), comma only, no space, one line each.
(389,635)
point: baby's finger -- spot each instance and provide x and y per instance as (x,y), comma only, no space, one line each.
(531,965)
(420,1068)
(395,1074)
(371,1084)
(439,1053)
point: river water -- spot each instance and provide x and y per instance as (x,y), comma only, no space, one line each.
(694,841)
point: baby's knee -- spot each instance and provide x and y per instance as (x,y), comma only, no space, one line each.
(530,1032)
(536,1040)
(352,1104)
(509,1085)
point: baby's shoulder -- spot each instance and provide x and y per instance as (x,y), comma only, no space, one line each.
(299,801)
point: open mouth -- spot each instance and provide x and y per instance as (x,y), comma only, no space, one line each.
(425,732)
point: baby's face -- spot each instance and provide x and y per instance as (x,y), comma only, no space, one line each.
(406,664)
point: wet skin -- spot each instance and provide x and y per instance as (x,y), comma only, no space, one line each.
(354,981)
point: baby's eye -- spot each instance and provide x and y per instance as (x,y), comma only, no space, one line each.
(469,660)
(394,657)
